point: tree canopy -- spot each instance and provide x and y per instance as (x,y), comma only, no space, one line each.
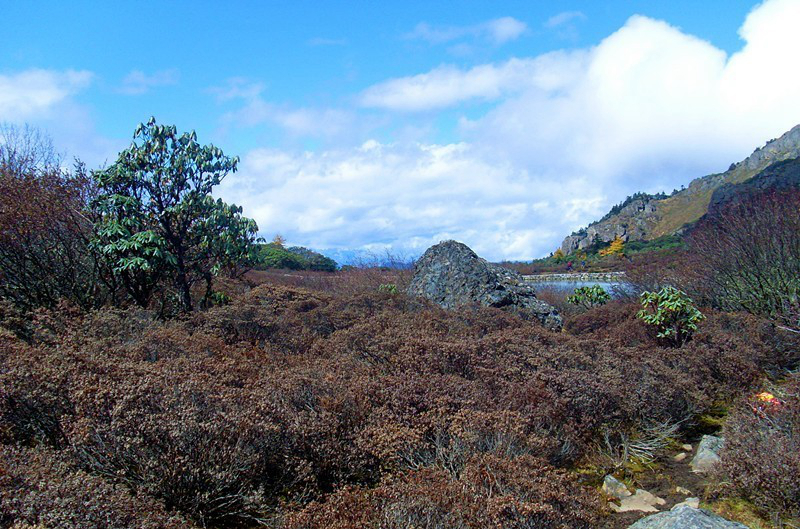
(158,220)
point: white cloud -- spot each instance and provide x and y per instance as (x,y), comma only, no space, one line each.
(404,196)
(138,82)
(35,93)
(498,31)
(564,18)
(447,86)
(568,134)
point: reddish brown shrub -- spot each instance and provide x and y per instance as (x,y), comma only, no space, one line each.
(249,410)
(492,492)
(761,454)
(40,488)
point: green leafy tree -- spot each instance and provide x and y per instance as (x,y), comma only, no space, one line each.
(588,297)
(157,220)
(273,255)
(673,314)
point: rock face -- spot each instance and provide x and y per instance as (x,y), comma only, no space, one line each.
(707,454)
(451,275)
(649,218)
(633,222)
(685,517)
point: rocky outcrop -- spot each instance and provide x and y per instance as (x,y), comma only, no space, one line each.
(646,219)
(633,222)
(685,517)
(707,454)
(452,275)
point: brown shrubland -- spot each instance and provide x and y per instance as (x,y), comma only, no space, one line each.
(374,407)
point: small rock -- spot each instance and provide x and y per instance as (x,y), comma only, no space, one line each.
(691,502)
(641,501)
(680,457)
(685,517)
(681,490)
(707,454)
(687,447)
(615,488)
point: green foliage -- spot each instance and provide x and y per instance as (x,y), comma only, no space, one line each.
(274,255)
(667,242)
(389,288)
(157,219)
(672,312)
(588,297)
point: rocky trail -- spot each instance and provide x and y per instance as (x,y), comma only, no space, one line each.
(667,494)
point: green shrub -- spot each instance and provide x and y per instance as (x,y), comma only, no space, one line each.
(389,288)
(588,297)
(672,312)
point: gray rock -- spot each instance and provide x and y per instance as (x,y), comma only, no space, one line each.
(685,517)
(707,454)
(452,275)
(615,488)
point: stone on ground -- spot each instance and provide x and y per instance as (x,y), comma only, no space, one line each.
(686,447)
(641,501)
(685,517)
(451,275)
(682,490)
(691,502)
(680,457)
(707,454)
(615,488)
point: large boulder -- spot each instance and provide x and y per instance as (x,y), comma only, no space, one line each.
(452,275)
(685,517)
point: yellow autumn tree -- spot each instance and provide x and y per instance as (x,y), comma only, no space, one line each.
(558,255)
(615,248)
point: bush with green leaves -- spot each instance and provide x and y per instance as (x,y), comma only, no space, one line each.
(673,314)
(588,297)
(388,288)
(158,221)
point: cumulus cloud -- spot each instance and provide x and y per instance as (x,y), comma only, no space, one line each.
(35,93)
(138,82)
(47,99)
(447,85)
(566,135)
(498,31)
(402,196)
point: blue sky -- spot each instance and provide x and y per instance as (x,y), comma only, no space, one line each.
(398,124)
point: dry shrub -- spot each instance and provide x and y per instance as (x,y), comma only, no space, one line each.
(761,455)
(40,488)
(247,411)
(492,492)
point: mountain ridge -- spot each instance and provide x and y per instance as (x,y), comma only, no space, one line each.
(645,217)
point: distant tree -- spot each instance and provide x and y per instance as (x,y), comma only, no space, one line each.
(615,248)
(279,240)
(157,220)
(273,255)
(558,255)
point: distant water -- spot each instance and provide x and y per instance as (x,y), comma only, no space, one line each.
(615,288)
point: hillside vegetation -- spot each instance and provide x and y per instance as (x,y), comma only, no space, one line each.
(651,217)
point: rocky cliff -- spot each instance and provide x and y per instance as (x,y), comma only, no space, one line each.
(650,218)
